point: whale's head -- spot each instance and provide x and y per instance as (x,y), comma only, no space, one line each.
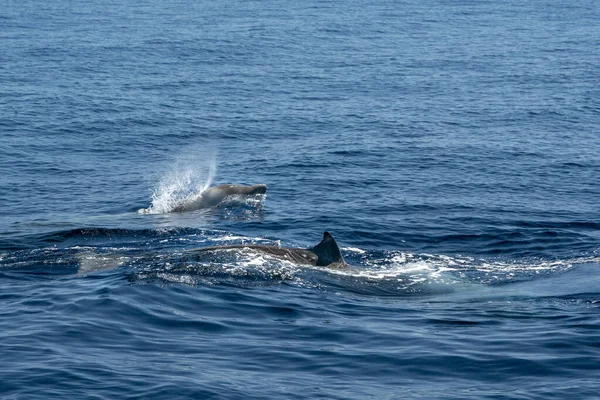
(258,189)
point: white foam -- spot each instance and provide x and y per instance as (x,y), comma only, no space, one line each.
(411,269)
(175,278)
(354,250)
(230,238)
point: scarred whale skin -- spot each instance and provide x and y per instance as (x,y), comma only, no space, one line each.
(325,254)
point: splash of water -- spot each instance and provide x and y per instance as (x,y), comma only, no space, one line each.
(186,179)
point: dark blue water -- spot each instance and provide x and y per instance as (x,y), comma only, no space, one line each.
(451,147)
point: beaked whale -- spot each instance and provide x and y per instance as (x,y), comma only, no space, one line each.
(325,254)
(216,194)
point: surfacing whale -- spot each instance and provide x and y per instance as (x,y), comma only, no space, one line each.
(325,254)
(216,194)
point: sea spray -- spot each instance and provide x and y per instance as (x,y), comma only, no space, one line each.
(186,179)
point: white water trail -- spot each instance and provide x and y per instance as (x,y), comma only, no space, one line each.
(186,179)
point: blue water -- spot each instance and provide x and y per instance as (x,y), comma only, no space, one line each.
(451,148)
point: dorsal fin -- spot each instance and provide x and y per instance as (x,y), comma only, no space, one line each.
(327,251)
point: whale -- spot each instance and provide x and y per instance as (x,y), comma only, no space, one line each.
(215,195)
(325,254)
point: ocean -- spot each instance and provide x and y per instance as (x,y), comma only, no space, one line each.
(450,147)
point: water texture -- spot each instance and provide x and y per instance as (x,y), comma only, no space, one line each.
(450,147)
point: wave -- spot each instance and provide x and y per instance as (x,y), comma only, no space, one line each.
(159,256)
(85,235)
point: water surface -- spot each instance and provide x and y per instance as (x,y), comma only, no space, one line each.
(450,147)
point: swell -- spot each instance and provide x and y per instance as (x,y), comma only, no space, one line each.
(130,335)
(507,243)
(85,235)
(158,256)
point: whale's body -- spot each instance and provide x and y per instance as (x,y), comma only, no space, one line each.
(325,254)
(216,194)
